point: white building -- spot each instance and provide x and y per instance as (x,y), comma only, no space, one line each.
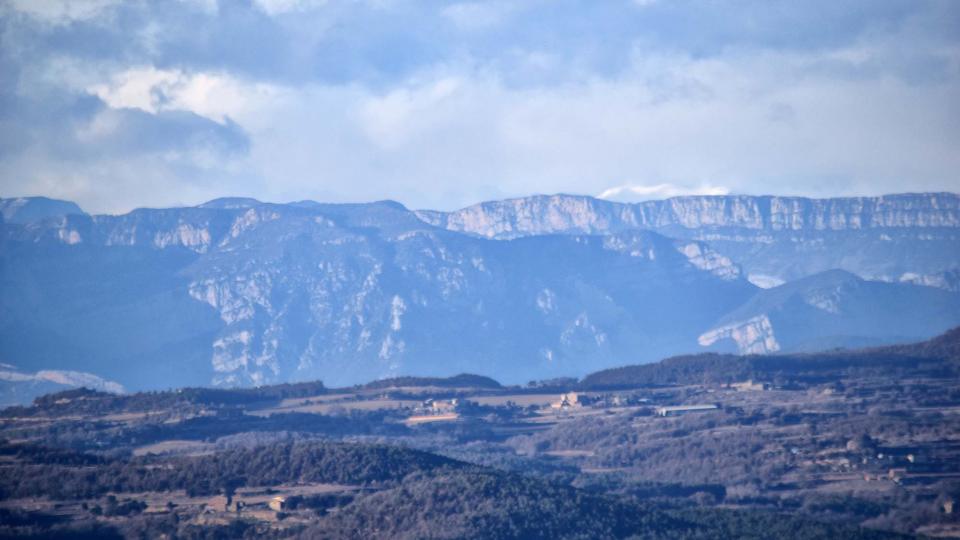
(682,409)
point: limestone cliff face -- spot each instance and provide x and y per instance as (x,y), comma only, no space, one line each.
(826,310)
(774,239)
(568,213)
(537,215)
(753,336)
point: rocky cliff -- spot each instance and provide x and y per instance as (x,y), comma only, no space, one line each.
(586,215)
(907,237)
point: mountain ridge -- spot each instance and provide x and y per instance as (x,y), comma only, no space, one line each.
(358,292)
(774,212)
(29,209)
(241,292)
(899,237)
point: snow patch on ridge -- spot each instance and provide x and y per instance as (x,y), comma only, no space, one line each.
(764,281)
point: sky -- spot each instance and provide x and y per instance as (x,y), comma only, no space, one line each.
(118,104)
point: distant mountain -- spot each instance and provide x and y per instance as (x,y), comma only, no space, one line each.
(17,387)
(775,239)
(344,293)
(833,309)
(28,209)
(937,358)
(230,203)
(239,292)
(946,345)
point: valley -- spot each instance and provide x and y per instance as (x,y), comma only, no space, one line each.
(852,443)
(479,270)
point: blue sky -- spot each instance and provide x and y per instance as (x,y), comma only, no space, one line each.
(119,104)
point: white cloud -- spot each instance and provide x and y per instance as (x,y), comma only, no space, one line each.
(492,120)
(639,192)
(451,136)
(215,96)
(454,135)
(392,119)
(279,7)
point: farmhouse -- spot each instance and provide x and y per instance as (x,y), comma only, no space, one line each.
(439,406)
(567,401)
(683,409)
(278,503)
(896,474)
(750,386)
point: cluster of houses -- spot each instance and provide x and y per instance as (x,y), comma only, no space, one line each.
(567,401)
(572,400)
(750,386)
(438,406)
(435,410)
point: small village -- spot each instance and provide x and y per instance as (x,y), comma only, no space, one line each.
(794,445)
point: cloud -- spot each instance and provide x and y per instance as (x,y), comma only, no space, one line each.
(125,104)
(118,159)
(278,7)
(639,192)
(215,96)
(392,119)
(448,137)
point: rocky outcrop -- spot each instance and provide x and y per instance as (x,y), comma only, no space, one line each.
(752,336)
(833,309)
(948,280)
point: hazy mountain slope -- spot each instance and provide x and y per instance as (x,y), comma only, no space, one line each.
(937,358)
(27,209)
(782,238)
(835,308)
(17,387)
(119,312)
(250,293)
(237,292)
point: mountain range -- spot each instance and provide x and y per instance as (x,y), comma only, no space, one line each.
(239,292)
(905,237)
